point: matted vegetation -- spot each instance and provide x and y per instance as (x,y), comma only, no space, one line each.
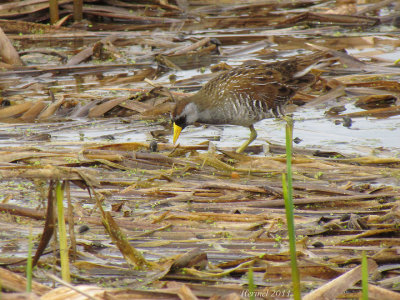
(85,121)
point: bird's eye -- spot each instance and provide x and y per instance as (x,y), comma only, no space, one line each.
(181,122)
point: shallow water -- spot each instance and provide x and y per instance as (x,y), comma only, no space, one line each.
(366,136)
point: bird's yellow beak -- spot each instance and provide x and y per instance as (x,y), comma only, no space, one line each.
(177,132)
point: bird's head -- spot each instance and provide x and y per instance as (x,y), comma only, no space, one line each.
(185,113)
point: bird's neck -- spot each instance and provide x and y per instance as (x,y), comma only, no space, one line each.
(202,104)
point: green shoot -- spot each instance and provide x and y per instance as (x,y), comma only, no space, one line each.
(252,286)
(289,207)
(65,274)
(29,263)
(364,276)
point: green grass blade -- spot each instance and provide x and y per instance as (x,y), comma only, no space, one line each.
(364,276)
(65,274)
(289,207)
(289,147)
(29,263)
(252,286)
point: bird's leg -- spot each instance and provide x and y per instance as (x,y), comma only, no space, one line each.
(253,135)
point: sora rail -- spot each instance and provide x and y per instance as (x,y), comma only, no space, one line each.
(246,94)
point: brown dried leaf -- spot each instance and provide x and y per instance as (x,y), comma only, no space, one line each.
(379,293)
(377,112)
(33,112)
(51,109)
(15,282)
(15,110)
(306,269)
(375,101)
(65,292)
(334,288)
(8,53)
(103,108)
(131,255)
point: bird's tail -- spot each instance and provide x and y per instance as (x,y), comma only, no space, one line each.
(296,71)
(299,66)
(307,63)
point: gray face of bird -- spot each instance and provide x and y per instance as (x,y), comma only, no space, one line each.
(185,113)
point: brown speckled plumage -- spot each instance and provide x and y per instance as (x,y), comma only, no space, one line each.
(247,94)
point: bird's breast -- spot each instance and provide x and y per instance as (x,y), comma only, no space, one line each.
(235,111)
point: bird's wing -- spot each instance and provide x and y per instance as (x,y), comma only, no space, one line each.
(257,83)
